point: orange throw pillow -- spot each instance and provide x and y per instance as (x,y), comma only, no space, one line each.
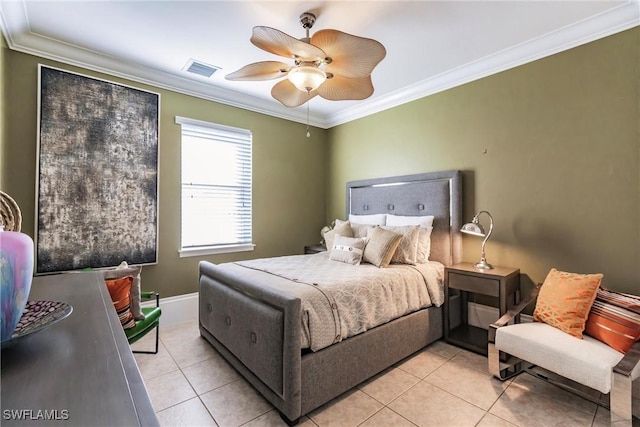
(120,292)
(615,319)
(565,299)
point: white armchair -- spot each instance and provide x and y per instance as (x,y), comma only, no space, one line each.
(586,361)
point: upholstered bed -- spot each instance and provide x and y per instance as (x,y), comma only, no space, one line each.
(253,317)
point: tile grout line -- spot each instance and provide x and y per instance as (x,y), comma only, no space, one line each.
(458,358)
(504,390)
(197,395)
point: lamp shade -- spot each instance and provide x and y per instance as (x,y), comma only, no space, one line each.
(473,228)
(306,77)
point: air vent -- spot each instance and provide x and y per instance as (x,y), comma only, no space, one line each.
(200,68)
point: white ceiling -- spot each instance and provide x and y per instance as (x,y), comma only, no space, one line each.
(431,45)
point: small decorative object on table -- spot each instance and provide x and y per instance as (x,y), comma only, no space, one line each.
(36,316)
(20,317)
(16,266)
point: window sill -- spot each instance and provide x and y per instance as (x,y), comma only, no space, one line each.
(212,250)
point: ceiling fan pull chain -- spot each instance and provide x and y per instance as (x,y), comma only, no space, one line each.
(308,101)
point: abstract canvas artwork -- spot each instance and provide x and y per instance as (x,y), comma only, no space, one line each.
(97,195)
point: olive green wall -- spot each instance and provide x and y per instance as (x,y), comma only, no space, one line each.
(550,148)
(289,173)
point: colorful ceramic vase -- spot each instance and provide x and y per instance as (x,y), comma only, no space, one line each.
(16,273)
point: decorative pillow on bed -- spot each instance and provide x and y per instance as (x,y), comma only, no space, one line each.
(348,249)
(120,290)
(375,219)
(424,239)
(359,230)
(565,299)
(407,250)
(614,319)
(124,270)
(381,246)
(342,228)
(424,245)
(398,220)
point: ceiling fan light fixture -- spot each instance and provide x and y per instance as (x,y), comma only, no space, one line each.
(307,78)
(332,64)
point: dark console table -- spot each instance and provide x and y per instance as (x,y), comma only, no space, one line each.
(78,372)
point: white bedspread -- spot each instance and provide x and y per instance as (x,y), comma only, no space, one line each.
(341,300)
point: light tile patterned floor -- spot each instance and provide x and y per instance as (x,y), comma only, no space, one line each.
(190,384)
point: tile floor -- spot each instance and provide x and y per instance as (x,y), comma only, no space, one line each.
(190,384)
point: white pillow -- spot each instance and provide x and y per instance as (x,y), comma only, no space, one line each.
(375,219)
(397,220)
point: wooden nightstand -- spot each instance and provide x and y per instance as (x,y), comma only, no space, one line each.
(314,249)
(464,280)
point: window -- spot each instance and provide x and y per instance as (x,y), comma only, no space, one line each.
(216,188)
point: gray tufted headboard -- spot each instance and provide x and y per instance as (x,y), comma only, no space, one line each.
(434,193)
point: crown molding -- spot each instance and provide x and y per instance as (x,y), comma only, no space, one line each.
(596,27)
(14,25)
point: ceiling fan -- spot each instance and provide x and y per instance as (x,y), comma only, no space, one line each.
(335,65)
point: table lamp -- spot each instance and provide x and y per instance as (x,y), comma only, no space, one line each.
(475,229)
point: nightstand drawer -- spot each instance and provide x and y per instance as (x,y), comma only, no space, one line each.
(480,285)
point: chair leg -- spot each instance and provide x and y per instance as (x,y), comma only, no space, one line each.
(621,402)
(157,340)
(502,370)
(493,358)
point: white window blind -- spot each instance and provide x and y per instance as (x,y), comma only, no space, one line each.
(216,188)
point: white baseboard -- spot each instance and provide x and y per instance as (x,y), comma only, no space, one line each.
(178,308)
(482,316)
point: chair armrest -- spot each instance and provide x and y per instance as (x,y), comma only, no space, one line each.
(149,295)
(513,312)
(629,361)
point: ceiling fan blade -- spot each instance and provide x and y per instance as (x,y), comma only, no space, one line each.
(340,88)
(279,43)
(289,95)
(351,56)
(265,70)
